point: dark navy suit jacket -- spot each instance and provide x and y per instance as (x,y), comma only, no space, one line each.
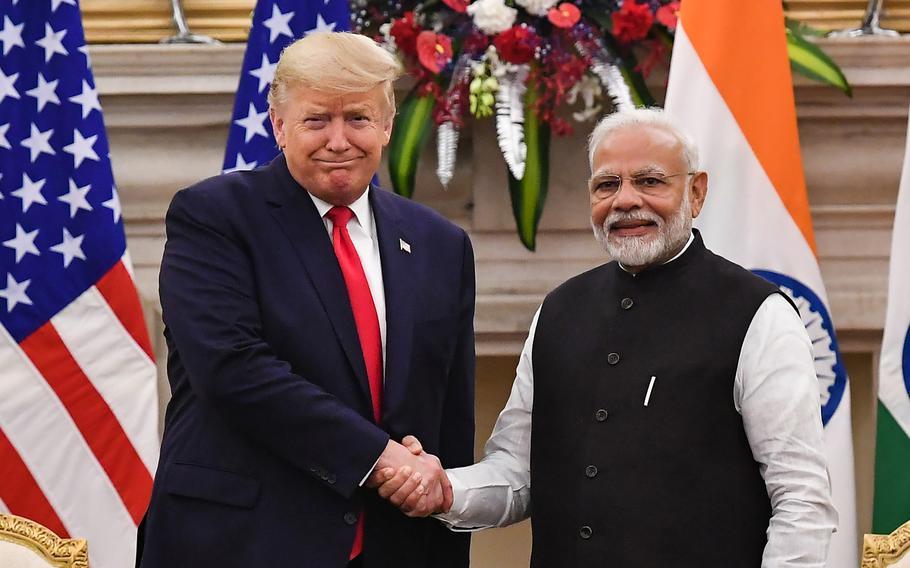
(269,430)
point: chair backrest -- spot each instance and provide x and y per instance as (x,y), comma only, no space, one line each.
(887,550)
(26,544)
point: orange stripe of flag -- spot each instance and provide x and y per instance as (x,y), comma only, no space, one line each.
(743,46)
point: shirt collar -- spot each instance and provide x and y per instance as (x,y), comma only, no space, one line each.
(677,255)
(361,209)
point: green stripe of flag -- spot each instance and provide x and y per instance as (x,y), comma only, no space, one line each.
(892,474)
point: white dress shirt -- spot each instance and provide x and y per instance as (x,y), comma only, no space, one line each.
(776,392)
(362,229)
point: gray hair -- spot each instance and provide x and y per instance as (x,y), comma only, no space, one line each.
(335,63)
(642,117)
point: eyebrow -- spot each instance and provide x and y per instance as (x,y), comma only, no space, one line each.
(644,170)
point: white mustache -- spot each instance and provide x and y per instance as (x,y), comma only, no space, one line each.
(638,215)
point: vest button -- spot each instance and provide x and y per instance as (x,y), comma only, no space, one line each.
(591,471)
(613,358)
(350,518)
(601,415)
(585,532)
(627,303)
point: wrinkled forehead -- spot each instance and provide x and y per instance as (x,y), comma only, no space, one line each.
(639,148)
(328,100)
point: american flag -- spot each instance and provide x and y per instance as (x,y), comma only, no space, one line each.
(276,23)
(78,401)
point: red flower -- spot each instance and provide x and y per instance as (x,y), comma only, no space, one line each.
(632,21)
(460,6)
(564,16)
(667,14)
(516,45)
(434,50)
(405,31)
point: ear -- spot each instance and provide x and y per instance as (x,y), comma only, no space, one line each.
(699,189)
(278,127)
(387,129)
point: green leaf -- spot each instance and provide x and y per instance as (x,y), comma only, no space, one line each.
(803,29)
(809,60)
(529,194)
(409,136)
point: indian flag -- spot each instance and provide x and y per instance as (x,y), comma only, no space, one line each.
(730,87)
(892,451)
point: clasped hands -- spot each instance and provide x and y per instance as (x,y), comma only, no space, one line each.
(411,479)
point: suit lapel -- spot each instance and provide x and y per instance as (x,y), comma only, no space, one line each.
(398,280)
(300,221)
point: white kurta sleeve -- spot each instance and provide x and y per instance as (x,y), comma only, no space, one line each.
(776,391)
(496,491)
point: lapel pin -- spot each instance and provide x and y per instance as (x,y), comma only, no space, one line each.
(404,246)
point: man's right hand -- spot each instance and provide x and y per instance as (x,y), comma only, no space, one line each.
(411,479)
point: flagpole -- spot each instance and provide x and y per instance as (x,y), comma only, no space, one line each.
(184,35)
(870,25)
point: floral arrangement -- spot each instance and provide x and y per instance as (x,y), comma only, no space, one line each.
(524,63)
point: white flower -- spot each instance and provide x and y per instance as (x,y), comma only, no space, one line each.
(492,16)
(536,7)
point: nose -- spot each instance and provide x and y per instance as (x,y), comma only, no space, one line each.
(337,136)
(627,198)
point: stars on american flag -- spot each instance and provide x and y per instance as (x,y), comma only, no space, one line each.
(253,123)
(82,148)
(278,24)
(59,208)
(39,142)
(23,243)
(52,42)
(265,73)
(14,293)
(11,35)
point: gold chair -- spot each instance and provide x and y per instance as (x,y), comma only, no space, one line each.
(887,550)
(26,544)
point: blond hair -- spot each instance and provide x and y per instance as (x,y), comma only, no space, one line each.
(335,63)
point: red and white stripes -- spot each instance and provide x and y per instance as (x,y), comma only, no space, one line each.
(78,420)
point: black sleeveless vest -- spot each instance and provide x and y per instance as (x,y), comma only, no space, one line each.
(615,481)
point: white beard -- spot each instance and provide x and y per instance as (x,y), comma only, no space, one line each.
(645,250)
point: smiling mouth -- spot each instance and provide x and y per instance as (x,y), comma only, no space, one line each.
(338,163)
(632,224)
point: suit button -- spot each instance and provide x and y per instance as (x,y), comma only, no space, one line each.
(613,358)
(350,518)
(626,303)
(331,479)
(591,471)
(600,415)
(585,532)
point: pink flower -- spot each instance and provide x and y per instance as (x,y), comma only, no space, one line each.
(434,51)
(565,15)
(667,14)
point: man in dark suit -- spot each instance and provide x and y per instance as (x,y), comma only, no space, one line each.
(311,321)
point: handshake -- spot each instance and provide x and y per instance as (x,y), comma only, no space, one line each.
(411,479)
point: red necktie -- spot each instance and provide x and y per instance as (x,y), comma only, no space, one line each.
(364,317)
